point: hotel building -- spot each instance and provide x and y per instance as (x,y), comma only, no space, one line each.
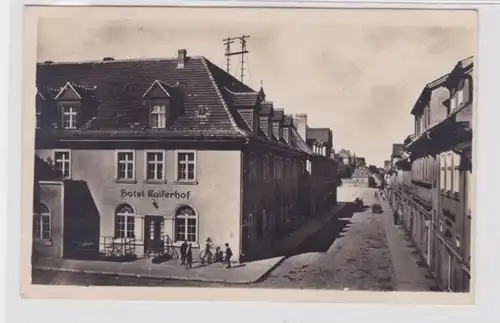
(142,155)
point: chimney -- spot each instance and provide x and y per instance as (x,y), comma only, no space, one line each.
(300,122)
(181,58)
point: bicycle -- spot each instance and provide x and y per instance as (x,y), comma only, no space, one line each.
(208,255)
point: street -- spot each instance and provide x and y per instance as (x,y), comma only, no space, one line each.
(351,253)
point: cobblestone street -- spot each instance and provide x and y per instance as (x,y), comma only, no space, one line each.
(351,253)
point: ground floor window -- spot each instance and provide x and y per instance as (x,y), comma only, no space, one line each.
(42,223)
(124,221)
(186,228)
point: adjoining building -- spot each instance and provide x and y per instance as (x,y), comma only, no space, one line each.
(436,177)
(139,155)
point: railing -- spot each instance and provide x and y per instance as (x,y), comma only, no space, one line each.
(164,250)
(112,247)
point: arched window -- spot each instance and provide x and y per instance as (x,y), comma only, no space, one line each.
(186,224)
(124,221)
(42,227)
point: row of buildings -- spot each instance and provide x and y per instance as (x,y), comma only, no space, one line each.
(432,187)
(141,155)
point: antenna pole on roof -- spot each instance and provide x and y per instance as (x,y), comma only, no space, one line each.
(243,42)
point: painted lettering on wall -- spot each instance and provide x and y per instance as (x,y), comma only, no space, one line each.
(157,194)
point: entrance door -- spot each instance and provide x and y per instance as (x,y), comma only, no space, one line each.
(153,239)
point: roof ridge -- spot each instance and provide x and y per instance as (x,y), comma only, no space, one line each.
(122,60)
(241,93)
(219,94)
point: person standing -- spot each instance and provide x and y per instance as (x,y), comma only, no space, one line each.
(229,254)
(183,252)
(189,257)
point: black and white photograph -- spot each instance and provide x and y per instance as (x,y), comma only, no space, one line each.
(253,148)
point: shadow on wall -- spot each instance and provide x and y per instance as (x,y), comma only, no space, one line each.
(81,221)
(329,232)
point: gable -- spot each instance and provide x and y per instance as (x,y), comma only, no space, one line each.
(157,91)
(68,92)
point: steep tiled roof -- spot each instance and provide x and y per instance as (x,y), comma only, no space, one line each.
(319,134)
(299,143)
(118,87)
(278,115)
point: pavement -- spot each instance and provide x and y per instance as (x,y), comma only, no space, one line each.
(411,271)
(243,273)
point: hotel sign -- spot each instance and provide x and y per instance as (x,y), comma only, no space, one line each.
(157,194)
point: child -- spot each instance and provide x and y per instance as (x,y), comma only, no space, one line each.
(189,257)
(183,252)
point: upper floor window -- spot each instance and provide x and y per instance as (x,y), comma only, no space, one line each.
(38,119)
(158,116)
(125,165)
(186,166)
(69,114)
(62,159)
(265,168)
(155,165)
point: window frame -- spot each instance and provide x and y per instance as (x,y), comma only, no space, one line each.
(265,168)
(177,164)
(183,216)
(164,113)
(116,214)
(117,160)
(63,107)
(55,152)
(41,215)
(146,165)
(456,173)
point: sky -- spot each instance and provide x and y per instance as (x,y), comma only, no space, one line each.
(358,72)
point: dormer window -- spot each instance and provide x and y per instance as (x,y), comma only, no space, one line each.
(38,119)
(158,116)
(69,114)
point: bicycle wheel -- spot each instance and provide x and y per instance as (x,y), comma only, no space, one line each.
(202,255)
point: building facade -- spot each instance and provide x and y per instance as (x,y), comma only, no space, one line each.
(434,195)
(146,154)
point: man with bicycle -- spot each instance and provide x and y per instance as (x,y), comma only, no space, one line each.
(207,253)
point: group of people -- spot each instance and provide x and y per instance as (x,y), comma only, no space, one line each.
(186,251)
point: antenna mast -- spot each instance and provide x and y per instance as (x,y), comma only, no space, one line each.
(243,42)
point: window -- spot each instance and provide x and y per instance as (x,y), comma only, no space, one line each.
(449,171)
(124,221)
(265,168)
(460,97)
(442,172)
(62,161)
(186,166)
(125,165)
(155,166)
(38,120)
(252,167)
(288,168)
(41,223)
(453,103)
(186,224)
(294,168)
(158,116)
(456,173)
(69,117)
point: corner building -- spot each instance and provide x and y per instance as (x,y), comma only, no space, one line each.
(145,154)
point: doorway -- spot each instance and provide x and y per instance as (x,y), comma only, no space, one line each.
(153,234)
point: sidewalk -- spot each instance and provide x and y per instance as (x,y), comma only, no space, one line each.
(240,273)
(409,276)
